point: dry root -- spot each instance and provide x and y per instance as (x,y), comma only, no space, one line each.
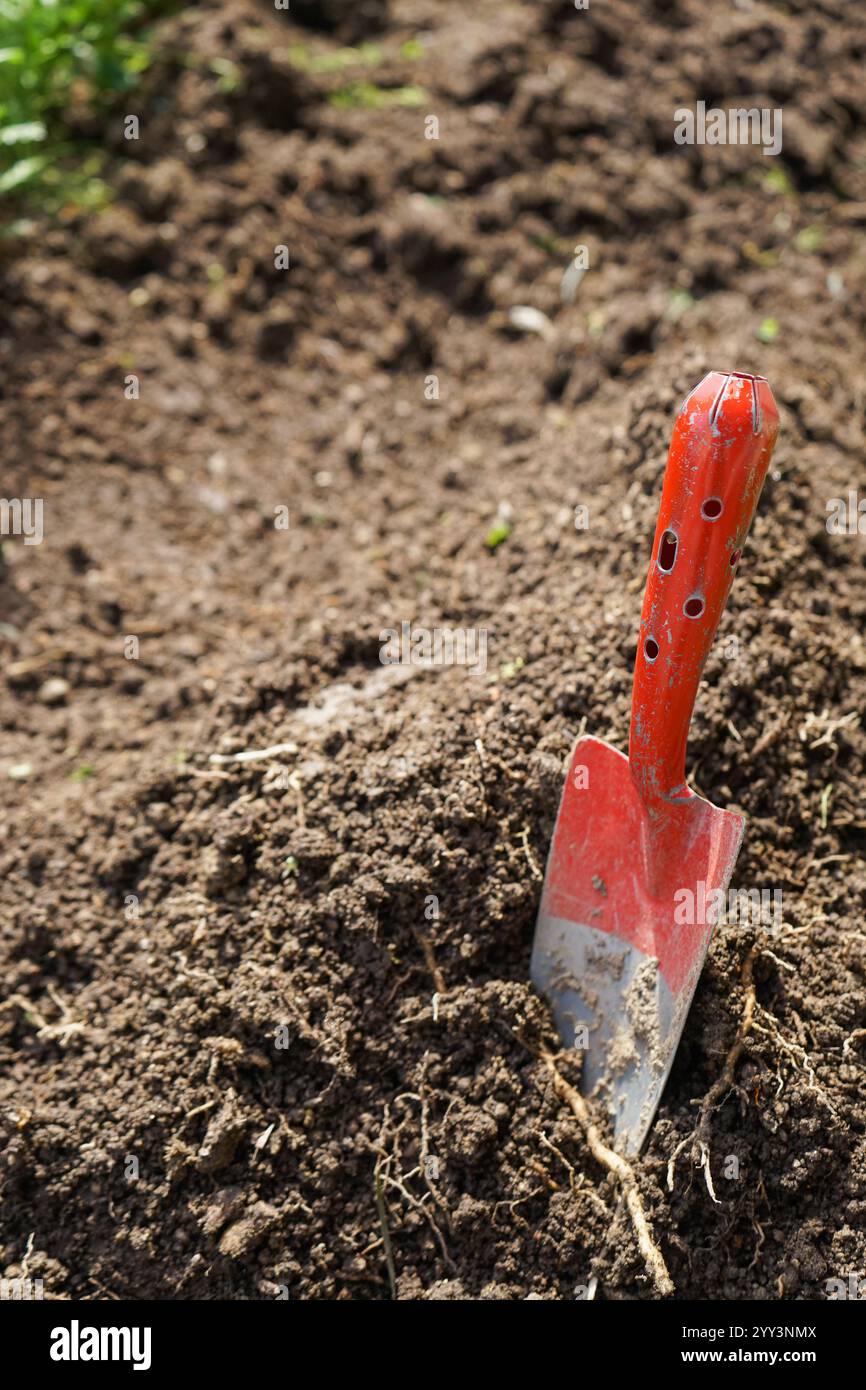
(848,1045)
(388,1176)
(758,1020)
(699,1139)
(622,1171)
(251,755)
(63,1030)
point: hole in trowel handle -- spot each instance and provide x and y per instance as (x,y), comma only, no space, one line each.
(651,649)
(667,552)
(693,607)
(712,509)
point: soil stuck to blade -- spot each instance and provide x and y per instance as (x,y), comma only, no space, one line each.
(260,1016)
(642,1010)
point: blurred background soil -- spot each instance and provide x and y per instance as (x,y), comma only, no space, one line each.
(225,1074)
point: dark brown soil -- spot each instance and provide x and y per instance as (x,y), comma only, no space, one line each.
(170,922)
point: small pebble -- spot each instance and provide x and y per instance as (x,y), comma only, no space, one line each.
(526,319)
(54,691)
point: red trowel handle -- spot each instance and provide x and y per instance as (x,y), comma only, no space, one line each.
(719,455)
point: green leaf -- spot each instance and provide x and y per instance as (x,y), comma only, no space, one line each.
(23,133)
(499,532)
(299,56)
(678,302)
(808,240)
(768,331)
(22,171)
(778,181)
(50,50)
(230,75)
(367,96)
(510,669)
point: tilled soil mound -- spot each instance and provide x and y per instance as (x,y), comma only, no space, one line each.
(267,1028)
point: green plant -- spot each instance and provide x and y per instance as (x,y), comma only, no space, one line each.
(778,180)
(808,240)
(229,74)
(367,55)
(679,301)
(367,96)
(499,532)
(61,60)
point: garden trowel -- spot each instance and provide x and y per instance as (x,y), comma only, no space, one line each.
(639,864)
